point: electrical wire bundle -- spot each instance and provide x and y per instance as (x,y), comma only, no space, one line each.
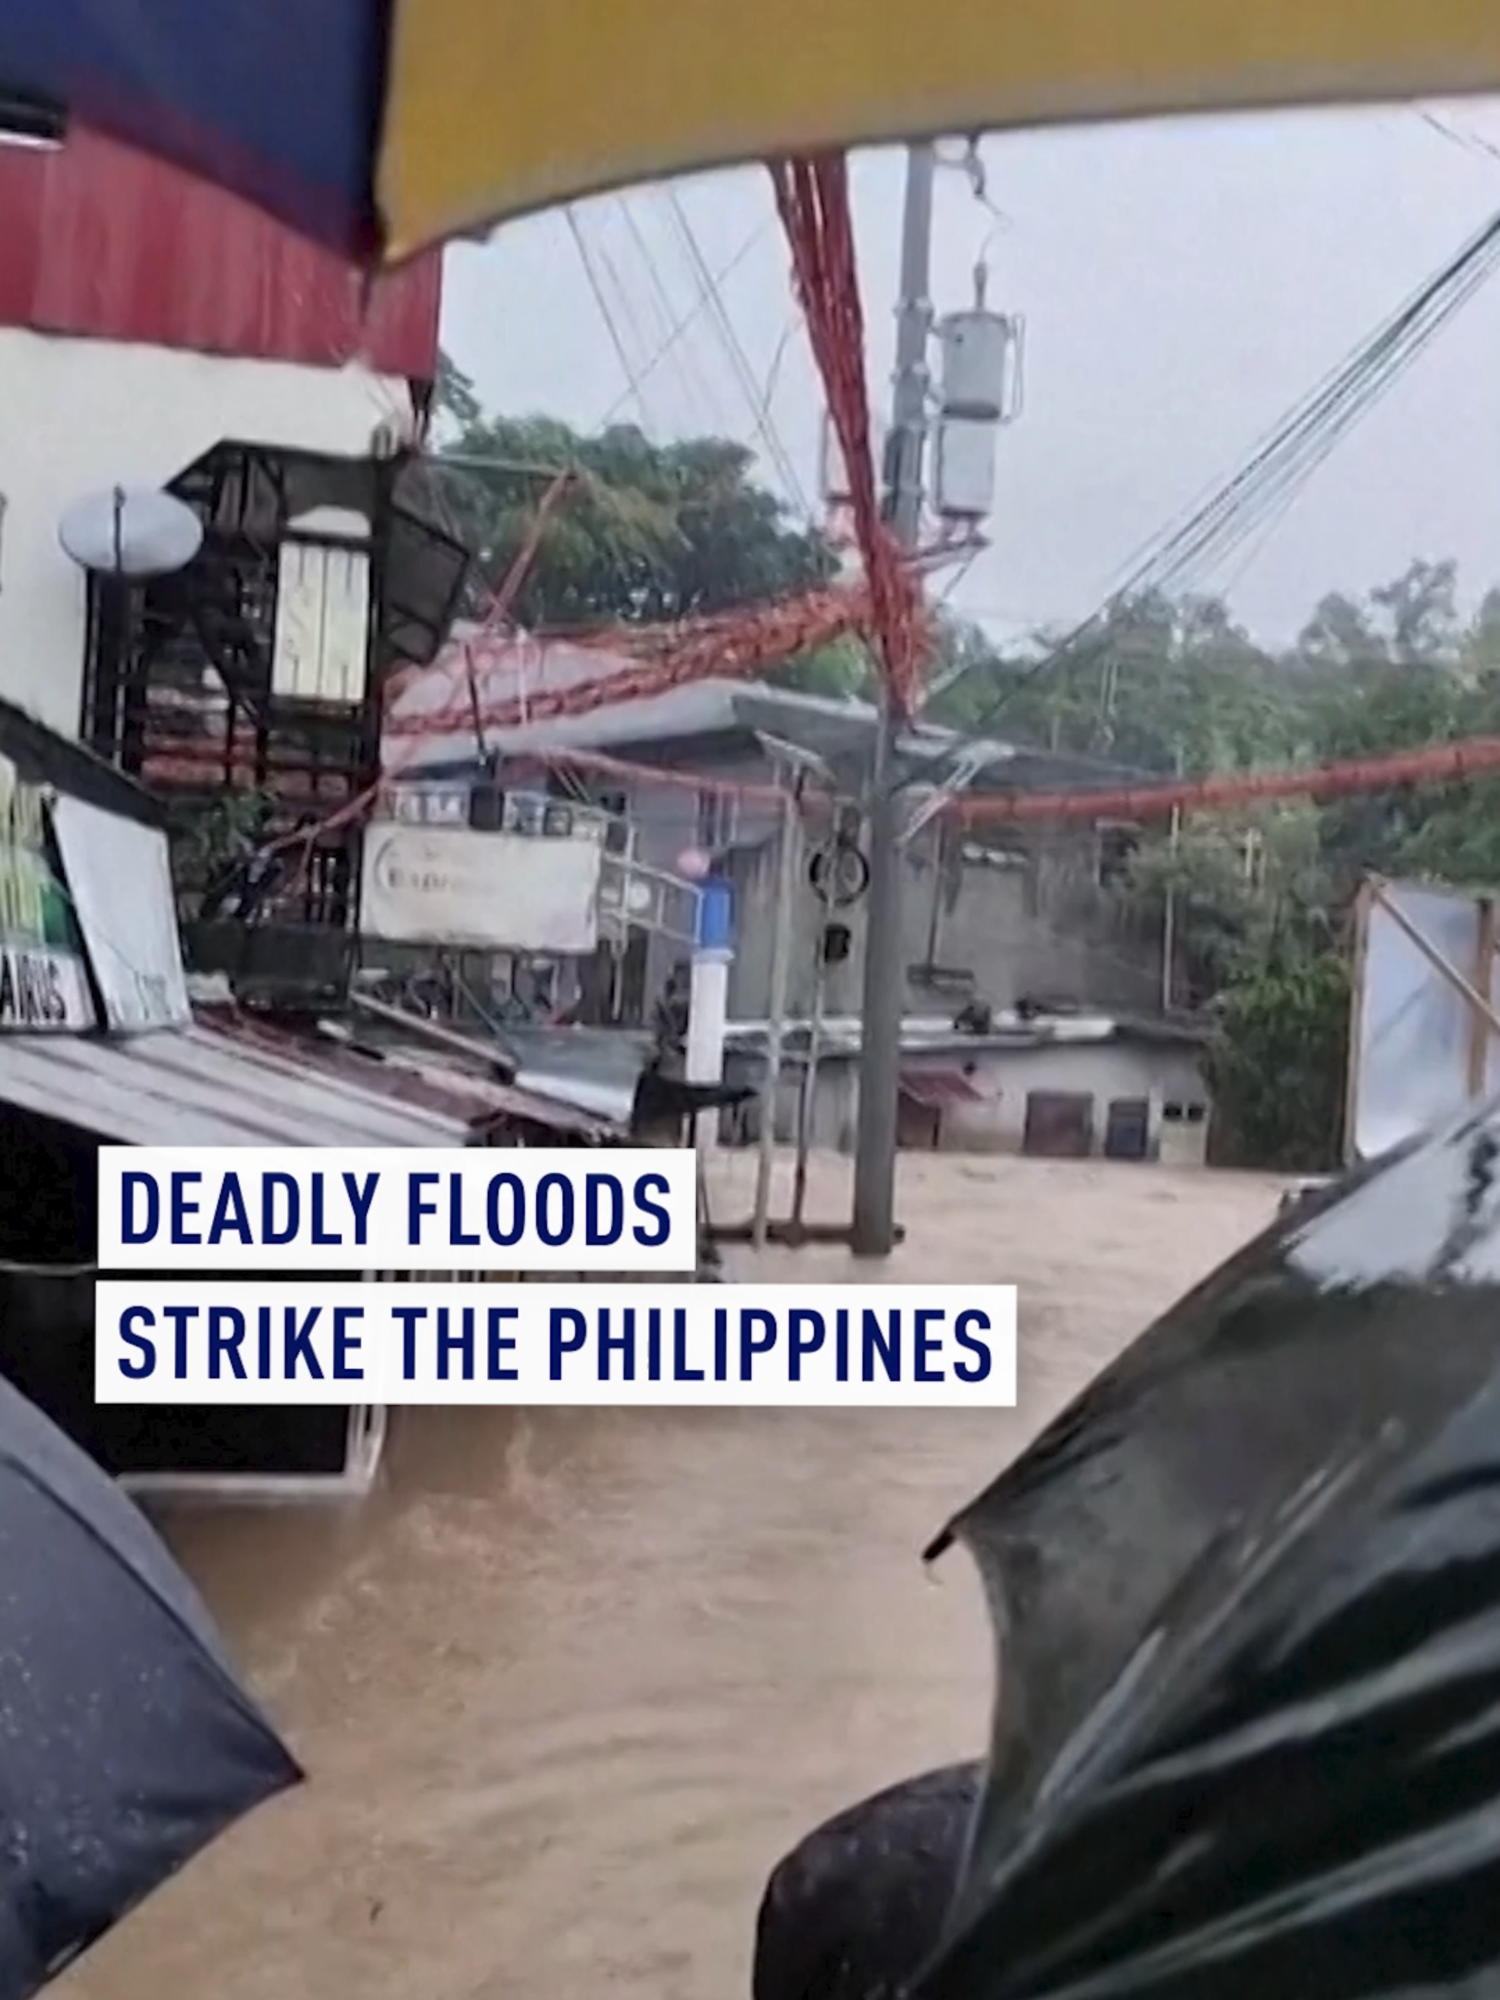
(1257,496)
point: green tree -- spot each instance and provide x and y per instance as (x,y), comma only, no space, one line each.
(1153,684)
(1401,671)
(1278,1062)
(455,400)
(1236,883)
(1259,897)
(648,533)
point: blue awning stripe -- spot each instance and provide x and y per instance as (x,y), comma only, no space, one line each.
(279,99)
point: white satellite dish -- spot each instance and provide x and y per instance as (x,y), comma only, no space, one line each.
(136,532)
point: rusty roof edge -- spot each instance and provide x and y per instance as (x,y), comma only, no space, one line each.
(524,1097)
(477,1103)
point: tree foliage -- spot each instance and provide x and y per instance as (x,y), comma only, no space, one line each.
(1279,1059)
(650,533)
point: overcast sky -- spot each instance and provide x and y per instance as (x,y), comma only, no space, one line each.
(1182,283)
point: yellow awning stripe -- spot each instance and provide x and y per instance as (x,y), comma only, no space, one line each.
(496,107)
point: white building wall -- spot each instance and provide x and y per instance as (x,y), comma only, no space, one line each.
(1110,1070)
(82,416)
(995,1121)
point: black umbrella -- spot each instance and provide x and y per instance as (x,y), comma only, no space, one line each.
(1293,1785)
(126,1742)
(1356,1311)
(1249,1387)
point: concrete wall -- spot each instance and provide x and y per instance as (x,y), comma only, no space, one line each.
(78,417)
(1105,1072)
(1039,927)
(996,1123)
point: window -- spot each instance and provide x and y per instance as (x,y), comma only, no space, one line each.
(616,805)
(1184,1114)
(1116,843)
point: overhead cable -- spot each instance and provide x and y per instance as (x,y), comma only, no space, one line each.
(1263,487)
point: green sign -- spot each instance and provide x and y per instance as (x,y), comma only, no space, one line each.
(43,981)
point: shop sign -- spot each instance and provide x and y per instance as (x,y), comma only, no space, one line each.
(43,976)
(119,875)
(455,886)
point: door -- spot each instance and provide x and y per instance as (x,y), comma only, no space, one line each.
(1127,1131)
(1059,1124)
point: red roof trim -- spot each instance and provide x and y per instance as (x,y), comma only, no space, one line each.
(101,242)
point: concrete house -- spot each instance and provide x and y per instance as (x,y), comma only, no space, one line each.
(1063,1086)
(997,918)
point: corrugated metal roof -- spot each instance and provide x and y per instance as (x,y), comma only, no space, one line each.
(513,1100)
(547,1084)
(397,1073)
(1010,1034)
(197,1087)
(508,667)
(595,1070)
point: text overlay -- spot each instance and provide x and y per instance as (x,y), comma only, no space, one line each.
(739,1346)
(396,1210)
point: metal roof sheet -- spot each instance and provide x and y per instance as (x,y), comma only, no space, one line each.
(396,1072)
(191,268)
(838,727)
(513,1100)
(595,1070)
(197,1087)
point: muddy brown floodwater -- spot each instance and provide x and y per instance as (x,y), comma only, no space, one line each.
(571,1681)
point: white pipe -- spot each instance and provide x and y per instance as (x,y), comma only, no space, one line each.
(708,1017)
(781,954)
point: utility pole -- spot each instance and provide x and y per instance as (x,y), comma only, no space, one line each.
(873,1231)
(1169,913)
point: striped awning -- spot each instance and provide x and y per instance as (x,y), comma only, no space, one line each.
(381,126)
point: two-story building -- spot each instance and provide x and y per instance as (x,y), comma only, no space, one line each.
(998,919)
(158,337)
(145,318)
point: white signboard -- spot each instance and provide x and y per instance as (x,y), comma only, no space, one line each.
(1415,1035)
(451,885)
(120,878)
(41,988)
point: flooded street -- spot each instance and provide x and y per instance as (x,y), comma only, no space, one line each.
(571,1682)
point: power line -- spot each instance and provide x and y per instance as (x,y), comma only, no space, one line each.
(1266,484)
(1283,466)
(686,319)
(739,362)
(709,299)
(773,372)
(700,392)
(625,304)
(633,380)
